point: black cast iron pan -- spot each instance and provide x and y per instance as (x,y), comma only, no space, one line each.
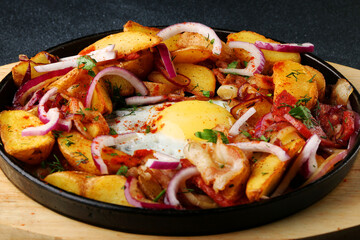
(171,222)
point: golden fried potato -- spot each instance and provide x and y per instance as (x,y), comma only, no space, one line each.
(156,89)
(296,80)
(77,151)
(125,43)
(319,78)
(71,181)
(108,188)
(131,26)
(267,172)
(29,149)
(192,54)
(27,67)
(203,80)
(271,57)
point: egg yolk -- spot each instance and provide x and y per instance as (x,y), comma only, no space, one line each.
(183,119)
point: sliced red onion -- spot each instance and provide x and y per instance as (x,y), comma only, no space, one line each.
(54,116)
(35,97)
(163,161)
(166,59)
(63,124)
(193,27)
(175,183)
(23,58)
(261,146)
(99,56)
(255,65)
(286,47)
(179,80)
(102,141)
(35,84)
(130,184)
(353,136)
(109,48)
(326,166)
(144,100)
(127,75)
(234,130)
(308,153)
(263,124)
(157,164)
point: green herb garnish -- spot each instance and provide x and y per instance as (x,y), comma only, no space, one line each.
(87,63)
(211,135)
(122,170)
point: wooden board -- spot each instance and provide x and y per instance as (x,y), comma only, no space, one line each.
(23,218)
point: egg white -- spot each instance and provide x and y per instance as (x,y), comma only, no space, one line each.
(137,119)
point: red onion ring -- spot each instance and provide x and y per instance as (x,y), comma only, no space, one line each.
(166,59)
(102,141)
(129,185)
(144,100)
(308,152)
(163,161)
(63,124)
(179,80)
(175,182)
(54,116)
(127,75)
(286,47)
(261,146)
(35,84)
(234,130)
(35,97)
(99,55)
(193,27)
(255,65)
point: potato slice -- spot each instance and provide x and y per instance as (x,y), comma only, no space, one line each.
(267,172)
(27,67)
(125,43)
(191,54)
(203,80)
(319,78)
(271,57)
(156,89)
(29,149)
(77,151)
(296,80)
(71,181)
(108,188)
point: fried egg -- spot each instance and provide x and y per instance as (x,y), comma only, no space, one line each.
(167,127)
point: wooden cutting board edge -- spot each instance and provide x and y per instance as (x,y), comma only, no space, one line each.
(23,218)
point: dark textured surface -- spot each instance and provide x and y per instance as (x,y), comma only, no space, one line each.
(333,26)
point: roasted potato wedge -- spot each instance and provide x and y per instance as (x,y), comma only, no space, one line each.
(125,43)
(29,149)
(267,172)
(319,78)
(77,151)
(203,81)
(270,56)
(191,54)
(25,69)
(108,188)
(289,75)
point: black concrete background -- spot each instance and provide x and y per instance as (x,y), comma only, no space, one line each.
(333,26)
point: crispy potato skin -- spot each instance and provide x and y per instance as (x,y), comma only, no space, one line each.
(108,188)
(320,81)
(29,149)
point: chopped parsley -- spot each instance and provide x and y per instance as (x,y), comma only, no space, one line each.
(87,63)
(147,130)
(159,196)
(312,79)
(112,132)
(232,65)
(211,135)
(122,170)
(304,114)
(294,74)
(206,93)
